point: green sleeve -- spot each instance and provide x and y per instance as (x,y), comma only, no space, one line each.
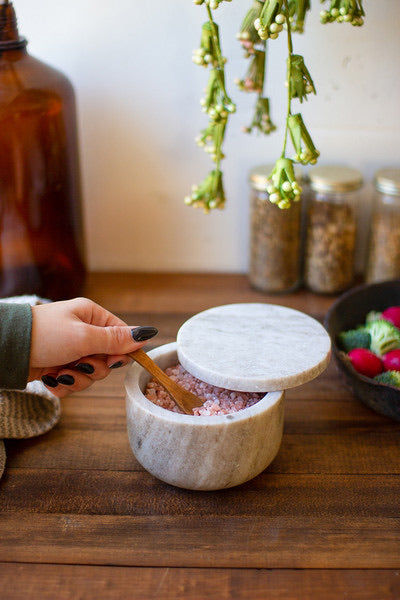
(15,345)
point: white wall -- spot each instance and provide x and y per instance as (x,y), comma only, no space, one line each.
(138,98)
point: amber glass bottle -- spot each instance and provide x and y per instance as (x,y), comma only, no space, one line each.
(41,238)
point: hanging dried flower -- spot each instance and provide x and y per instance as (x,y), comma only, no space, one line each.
(206,54)
(264,21)
(344,11)
(254,78)
(218,106)
(297,14)
(271,20)
(306,153)
(209,194)
(285,188)
(299,79)
(261,119)
(248,34)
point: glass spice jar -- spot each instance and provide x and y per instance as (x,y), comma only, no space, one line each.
(331,228)
(275,238)
(383,261)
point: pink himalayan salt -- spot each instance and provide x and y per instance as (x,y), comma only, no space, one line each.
(217,401)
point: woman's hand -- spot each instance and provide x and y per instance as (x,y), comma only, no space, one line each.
(76,342)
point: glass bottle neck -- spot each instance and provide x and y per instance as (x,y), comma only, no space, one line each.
(9,35)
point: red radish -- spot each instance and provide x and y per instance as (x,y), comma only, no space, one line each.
(391,361)
(392,314)
(365,362)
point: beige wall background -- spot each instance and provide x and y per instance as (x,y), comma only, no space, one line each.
(138,98)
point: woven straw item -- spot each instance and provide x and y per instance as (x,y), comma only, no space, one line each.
(26,414)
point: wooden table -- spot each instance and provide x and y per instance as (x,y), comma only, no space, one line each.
(80,519)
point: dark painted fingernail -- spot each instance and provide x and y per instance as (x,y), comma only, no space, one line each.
(66,379)
(85,368)
(116,365)
(140,334)
(49,381)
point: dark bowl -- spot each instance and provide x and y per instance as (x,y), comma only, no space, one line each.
(348,311)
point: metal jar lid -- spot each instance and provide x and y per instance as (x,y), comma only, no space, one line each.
(259,176)
(335,179)
(387,181)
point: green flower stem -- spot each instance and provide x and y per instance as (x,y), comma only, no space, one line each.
(289,75)
(217,46)
(220,71)
(218,139)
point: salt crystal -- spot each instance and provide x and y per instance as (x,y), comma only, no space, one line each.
(218,401)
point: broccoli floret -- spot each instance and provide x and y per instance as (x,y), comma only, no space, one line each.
(384,337)
(373,315)
(389,377)
(354,338)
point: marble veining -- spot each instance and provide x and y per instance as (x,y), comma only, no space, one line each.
(253,347)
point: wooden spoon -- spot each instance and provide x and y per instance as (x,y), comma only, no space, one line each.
(184,399)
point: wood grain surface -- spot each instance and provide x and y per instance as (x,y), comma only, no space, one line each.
(80,518)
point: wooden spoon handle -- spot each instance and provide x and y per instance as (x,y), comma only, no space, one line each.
(147,363)
(184,399)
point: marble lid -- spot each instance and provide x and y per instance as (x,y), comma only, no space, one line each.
(253,347)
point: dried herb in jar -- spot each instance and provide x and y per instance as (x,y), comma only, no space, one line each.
(384,244)
(331,229)
(330,247)
(275,239)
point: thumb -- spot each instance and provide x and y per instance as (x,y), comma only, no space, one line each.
(118,339)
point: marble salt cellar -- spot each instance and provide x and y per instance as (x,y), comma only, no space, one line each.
(253,347)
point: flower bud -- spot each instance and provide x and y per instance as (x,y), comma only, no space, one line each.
(283,204)
(275,198)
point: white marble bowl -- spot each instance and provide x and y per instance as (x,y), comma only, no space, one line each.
(200,453)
